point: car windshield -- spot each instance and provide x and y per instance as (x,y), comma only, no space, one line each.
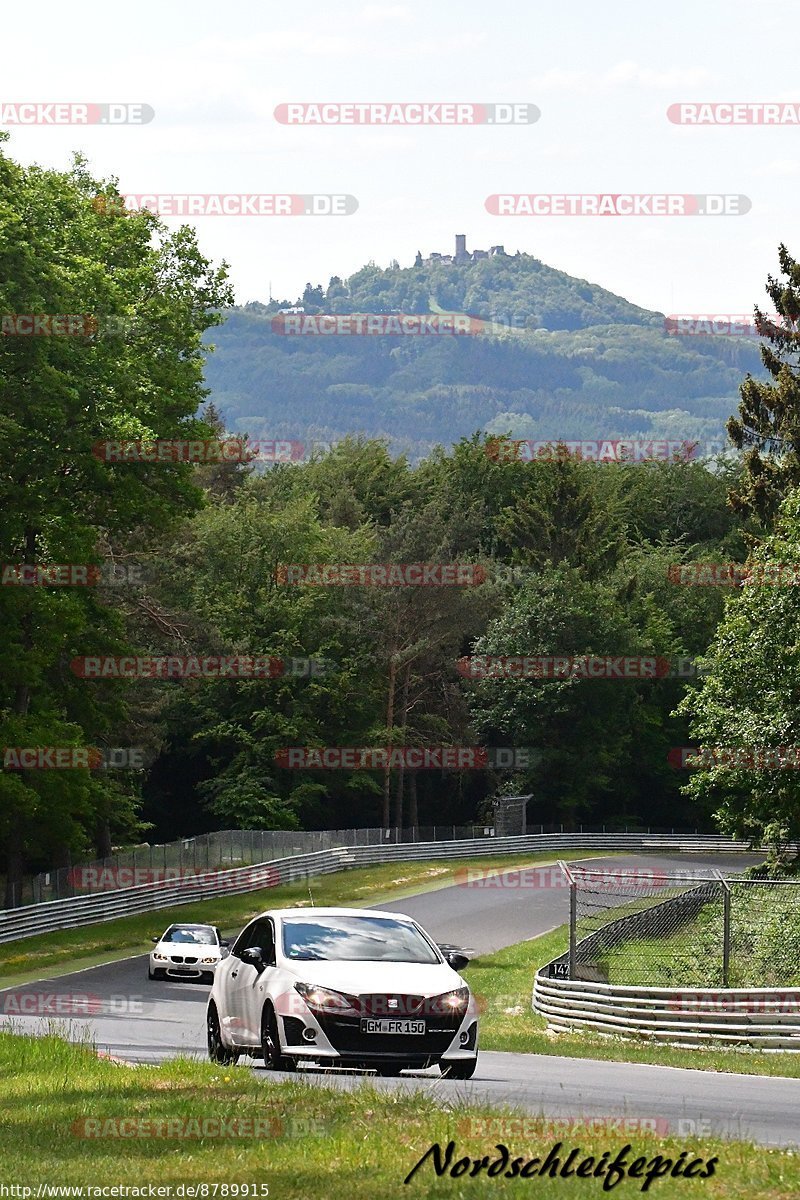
(198,935)
(356,939)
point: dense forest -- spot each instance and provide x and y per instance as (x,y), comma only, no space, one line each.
(569,560)
(557,357)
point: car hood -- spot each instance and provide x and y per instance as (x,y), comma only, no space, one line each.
(358,978)
(190,948)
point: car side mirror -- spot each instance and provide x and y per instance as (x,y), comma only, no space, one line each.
(255,956)
(224,942)
(156,940)
(456,960)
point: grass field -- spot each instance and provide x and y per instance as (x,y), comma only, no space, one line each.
(71,1119)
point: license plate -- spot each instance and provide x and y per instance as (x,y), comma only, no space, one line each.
(384,1025)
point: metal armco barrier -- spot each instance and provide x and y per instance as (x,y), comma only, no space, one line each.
(18,923)
(766,1018)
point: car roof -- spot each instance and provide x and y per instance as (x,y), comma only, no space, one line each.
(309,911)
(190,925)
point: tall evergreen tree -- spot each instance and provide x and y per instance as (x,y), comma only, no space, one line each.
(768,424)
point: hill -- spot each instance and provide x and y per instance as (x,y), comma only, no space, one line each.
(557,357)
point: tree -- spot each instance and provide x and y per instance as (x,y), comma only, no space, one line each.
(596,737)
(415,632)
(749,699)
(768,424)
(67,246)
(558,516)
(223,734)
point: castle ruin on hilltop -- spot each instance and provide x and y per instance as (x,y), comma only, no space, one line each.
(462,254)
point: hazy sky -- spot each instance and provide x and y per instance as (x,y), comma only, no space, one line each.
(602,75)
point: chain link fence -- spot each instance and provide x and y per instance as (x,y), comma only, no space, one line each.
(219,851)
(238,848)
(694,929)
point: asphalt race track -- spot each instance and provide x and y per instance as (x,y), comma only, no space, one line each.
(141,1021)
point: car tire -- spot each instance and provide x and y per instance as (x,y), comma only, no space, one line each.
(463,1069)
(157,974)
(388,1070)
(218,1052)
(270,1043)
(207,977)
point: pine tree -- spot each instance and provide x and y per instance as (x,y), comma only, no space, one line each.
(768,425)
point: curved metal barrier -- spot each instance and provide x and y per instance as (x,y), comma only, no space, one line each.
(766,1018)
(17,923)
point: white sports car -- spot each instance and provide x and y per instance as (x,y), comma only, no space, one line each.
(187,952)
(342,987)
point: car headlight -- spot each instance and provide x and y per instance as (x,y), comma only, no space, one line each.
(326,1000)
(160,957)
(209,960)
(451,1002)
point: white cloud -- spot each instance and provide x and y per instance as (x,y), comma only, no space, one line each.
(379,13)
(622,74)
(781,167)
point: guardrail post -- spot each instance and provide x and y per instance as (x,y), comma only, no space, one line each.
(573,916)
(726,927)
(726,933)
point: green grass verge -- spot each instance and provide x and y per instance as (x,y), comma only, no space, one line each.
(50,954)
(503,982)
(304,1142)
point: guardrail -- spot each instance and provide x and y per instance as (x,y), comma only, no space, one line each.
(19,923)
(764,1018)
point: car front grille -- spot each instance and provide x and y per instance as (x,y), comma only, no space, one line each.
(344,1034)
(177,958)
